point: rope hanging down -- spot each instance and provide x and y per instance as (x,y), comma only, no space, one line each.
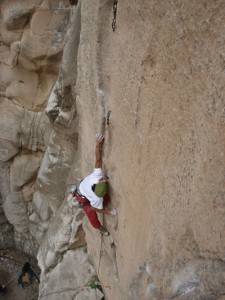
(115,2)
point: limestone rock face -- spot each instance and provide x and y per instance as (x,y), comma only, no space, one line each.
(6,230)
(75,280)
(32,41)
(160,74)
(33,54)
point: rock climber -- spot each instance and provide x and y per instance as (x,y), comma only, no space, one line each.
(92,191)
(26,276)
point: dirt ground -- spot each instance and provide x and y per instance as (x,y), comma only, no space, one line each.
(11,263)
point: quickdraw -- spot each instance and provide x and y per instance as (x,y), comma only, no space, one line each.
(115,2)
(82,200)
(107,118)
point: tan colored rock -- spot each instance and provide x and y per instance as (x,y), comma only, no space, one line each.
(164,147)
(27,130)
(28,191)
(16,212)
(161,75)
(8,149)
(22,86)
(17,14)
(74,282)
(6,230)
(4,54)
(63,234)
(37,48)
(9,145)
(15,80)
(41,206)
(37,227)
(8,36)
(24,168)
(4,180)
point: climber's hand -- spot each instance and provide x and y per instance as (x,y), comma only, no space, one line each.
(113,212)
(100,138)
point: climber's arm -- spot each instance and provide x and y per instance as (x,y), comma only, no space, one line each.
(98,151)
(104,211)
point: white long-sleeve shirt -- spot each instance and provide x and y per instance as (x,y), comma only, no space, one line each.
(86,188)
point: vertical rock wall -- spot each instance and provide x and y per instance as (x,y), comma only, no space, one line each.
(32,41)
(161,73)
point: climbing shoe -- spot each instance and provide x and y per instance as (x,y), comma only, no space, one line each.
(104,231)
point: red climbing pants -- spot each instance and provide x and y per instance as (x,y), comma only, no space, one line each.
(91,214)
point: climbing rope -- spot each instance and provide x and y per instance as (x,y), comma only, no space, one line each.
(100,256)
(63,291)
(70,289)
(115,2)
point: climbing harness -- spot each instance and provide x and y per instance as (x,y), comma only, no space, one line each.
(115,2)
(77,196)
(100,256)
(82,200)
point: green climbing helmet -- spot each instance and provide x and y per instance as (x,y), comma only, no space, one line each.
(101,189)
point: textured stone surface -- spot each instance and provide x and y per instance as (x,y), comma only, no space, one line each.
(6,231)
(161,73)
(16,211)
(164,147)
(33,56)
(70,283)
